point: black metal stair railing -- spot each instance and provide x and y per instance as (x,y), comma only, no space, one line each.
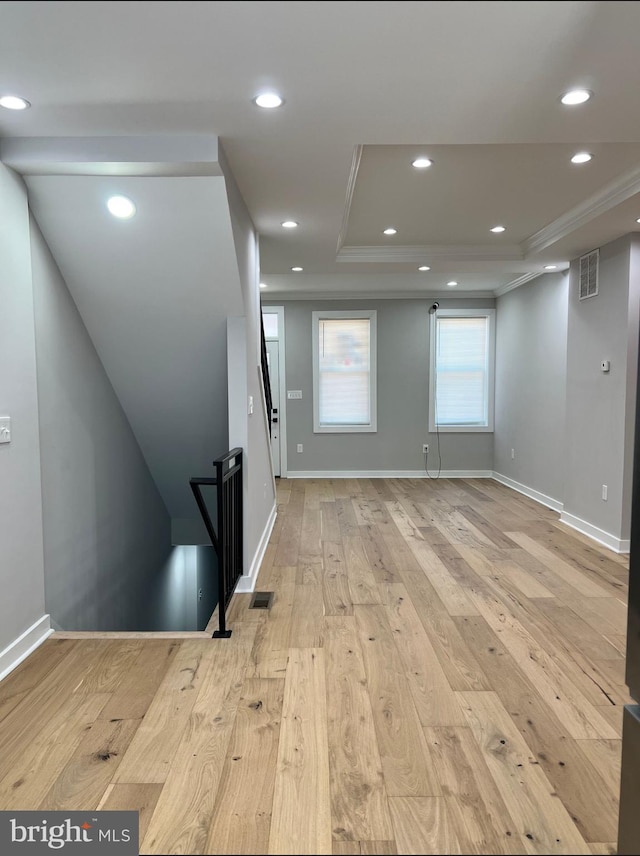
(266,383)
(226,536)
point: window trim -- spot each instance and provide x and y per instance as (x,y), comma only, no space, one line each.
(371,316)
(490,314)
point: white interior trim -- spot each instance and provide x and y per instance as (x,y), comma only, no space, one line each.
(461,294)
(370,315)
(416,254)
(595,533)
(490,315)
(263,402)
(518,281)
(351,186)
(247,582)
(389,474)
(542,498)
(618,545)
(282,383)
(617,191)
(24,645)
(605,538)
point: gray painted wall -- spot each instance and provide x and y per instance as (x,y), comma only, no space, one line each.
(21,557)
(598,329)
(531,377)
(251,431)
(403,386)
(106,528)
(632,374)
(154,293)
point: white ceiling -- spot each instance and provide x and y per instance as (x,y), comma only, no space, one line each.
(474,84)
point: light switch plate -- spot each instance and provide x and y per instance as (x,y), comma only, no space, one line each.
(5,429)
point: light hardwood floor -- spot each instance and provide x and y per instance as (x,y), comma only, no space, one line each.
(442,671)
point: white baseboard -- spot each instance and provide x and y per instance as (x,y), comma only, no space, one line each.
(388,474)
(588,529)
(247,582)
(21,647)
(616,544)
(542,498)
(599,535)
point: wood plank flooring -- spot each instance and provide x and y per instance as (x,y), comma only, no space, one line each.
(442,671)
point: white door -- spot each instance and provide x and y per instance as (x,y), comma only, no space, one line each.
(273,360)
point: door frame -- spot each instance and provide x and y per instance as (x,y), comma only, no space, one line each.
(282,403)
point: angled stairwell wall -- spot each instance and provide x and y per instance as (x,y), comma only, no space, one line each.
(106,529)
(131,335)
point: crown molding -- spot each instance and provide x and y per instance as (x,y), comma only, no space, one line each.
(375,295)
(420,254)
(351,187)
(608,197)
(516,283)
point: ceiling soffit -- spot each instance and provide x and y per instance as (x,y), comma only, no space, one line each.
(381,174)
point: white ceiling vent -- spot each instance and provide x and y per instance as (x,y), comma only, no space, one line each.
(589,274)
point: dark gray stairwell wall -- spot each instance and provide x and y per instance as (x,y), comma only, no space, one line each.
(207,584)
(107,546)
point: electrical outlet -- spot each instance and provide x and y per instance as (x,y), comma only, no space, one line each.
(425,448)
(299,449)
(605,491)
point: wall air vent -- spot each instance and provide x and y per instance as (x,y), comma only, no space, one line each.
(589,274)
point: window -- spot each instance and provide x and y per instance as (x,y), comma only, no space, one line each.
(270,321)
(344,371)
(461,372)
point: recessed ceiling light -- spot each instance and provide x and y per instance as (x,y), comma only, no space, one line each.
(550,267)
(499,229)
(452,283)
(14,102)
(576,96)
(424,267)
(268,100)
(289,224)
(263,285)
(421,163)
(581,157)
(297,269)
(121,206)
(390,231)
